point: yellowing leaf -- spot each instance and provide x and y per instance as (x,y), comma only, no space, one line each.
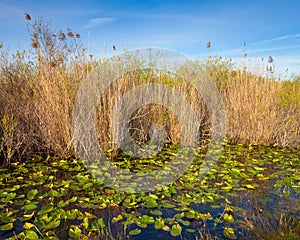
(229,233)
(166,228)
(117,219)
(28,225)
(228,218)
(249,186)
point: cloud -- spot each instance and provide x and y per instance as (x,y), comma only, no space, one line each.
(253,48)
(240,51)
(273,49)
(284,37)
(98,21)
(296,64)
(10,12)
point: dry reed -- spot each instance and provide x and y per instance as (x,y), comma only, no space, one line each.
(37,96)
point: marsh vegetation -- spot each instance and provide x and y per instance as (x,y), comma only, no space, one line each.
(251,192)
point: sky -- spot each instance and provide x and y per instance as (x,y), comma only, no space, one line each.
(259,28)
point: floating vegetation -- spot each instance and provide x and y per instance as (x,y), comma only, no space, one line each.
(58,198)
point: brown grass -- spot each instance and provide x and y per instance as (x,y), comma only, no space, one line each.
(38,88)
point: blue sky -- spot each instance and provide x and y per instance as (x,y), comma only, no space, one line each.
(267,27)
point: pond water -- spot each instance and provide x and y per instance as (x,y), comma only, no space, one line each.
(252,192)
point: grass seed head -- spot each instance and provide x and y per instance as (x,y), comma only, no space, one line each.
(35,44)
(27,17)
(70,34)
(61,36)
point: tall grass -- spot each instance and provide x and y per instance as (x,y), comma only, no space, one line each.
(38,88)
(144,117)
(259,107)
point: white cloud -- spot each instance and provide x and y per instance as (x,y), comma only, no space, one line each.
(284,37)
(240,51)
(98,21)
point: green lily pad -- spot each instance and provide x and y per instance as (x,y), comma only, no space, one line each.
(63,203)
(145,219)
(29,207)
(6,219)
(135,232)
(52,224)
(244,176)
(176,230)
(26,217)
(99,224)
(142,225)
(228,218)
(7,226)
(53,193)
(10,196)
(31,235)
(46,209)
(75,232)
(19,202)
(31,194)
(150,202)
(87,185)
(85,223)
(73,199)
(168,205)
(71,214)
(185,222)
(159,223)
(189,230)
(156,212)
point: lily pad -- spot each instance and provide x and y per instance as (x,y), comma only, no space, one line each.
(176,230)
(229,233)
(46,209)
(228,218)
(135,232)
(6,219)
(168,205)
(6,227)
(32,235)
(159,223)
(31,194)
(249,186)
(75,232)
(156,212)
(52,224)
(29,206)
(117,219)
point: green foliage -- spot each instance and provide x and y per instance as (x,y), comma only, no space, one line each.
(75,232)
(289,94)
(135,231)
(9,142)
(176,230)
(242,170)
